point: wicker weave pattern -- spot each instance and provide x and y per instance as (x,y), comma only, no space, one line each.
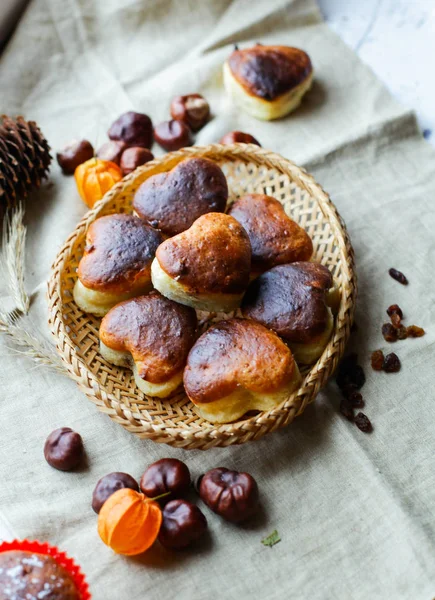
(248,168)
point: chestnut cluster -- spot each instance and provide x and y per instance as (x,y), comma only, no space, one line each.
(189,114)
(130,140)
(230,494)
(131,136)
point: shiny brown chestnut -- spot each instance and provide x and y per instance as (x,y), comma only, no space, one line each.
(112,150)
(134,157)
(135,129)
(182,524)
(63,449)
(108,485)
(166,475)
(230,494)
(74,154)
(172,135)
(192,109)
(238,137)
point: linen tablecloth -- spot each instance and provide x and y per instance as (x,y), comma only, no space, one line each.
(355,512)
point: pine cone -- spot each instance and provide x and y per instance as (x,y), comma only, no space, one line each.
(24,159)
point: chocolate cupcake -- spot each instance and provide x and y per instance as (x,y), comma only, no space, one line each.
(32,570)
(26,575)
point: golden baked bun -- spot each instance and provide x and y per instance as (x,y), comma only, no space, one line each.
(207,266)
(151,335)
(275,238)
(116,263)
(172,201)
(268,82)
(294,300)
(236,366)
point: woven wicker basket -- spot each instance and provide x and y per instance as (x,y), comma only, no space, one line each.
(174,421)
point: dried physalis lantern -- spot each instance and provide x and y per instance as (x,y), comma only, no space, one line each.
(94,178)
(129,522)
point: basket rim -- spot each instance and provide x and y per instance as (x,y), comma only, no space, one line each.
(210,435)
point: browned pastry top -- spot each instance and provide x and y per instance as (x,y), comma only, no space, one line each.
(172,201)
(155,330)
(270,71)
(118,253)
(291,300)
(25,574)
(233,353)
(275,238)
(213,256)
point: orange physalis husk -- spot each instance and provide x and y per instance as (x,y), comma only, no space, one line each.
(94,178)
(129,522)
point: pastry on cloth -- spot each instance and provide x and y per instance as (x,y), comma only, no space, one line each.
(172,201)
(295,300)
(207,266)
(236,366)
(116,264)
(268,82)
(152,335)
(275,238)
(25,574)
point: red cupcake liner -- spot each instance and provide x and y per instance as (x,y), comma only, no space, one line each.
(60,557)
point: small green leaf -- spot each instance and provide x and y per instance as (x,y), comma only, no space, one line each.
(271,539)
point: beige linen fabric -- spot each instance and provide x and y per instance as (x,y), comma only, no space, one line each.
(355,512)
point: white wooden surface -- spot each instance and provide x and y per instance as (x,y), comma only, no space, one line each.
(397,39)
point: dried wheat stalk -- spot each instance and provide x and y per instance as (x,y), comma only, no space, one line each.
(27,341)
(12,257)
(17,325)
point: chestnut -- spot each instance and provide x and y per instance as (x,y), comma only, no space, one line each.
(134,157)
(230,494)
(135,129)
(63,449)
(74,154)
(112,151)
(166,475)
(108,485)
(192,109)
(182,524)
(172,135)
(238,137)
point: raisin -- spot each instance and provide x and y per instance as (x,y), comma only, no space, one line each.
(396,321)
(354,377)
(394,309)
(346,364)
(398,276)
(389,332)
(391,363)
(363,422)
(346,409)
(348,389)
(415,331)
(377,360)
(356,400)
(402,333)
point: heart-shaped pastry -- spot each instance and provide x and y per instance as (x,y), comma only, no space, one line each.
(116,263)
(294,300)
(275,238)
(152,335)
(236,366)
(207,266)
(172,201)
(268,82)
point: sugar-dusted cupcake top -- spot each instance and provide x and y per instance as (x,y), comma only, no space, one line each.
(31,576)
